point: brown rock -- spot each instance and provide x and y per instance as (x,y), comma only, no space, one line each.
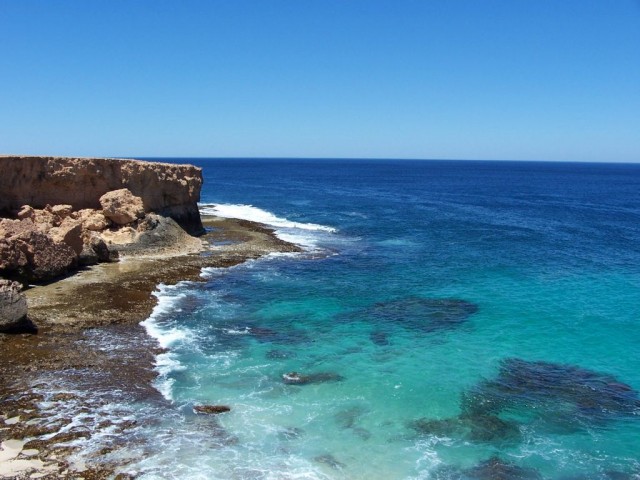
(211,409)
(26,212)
(92,220)
(47,259)
(13,305)
(169,189)
(61,211)
(27,252)
(95,250)
(69,232)
(121,206)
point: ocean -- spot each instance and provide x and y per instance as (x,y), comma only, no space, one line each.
(447,320)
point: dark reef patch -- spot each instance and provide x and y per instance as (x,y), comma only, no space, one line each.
(424,314)
(566,395)
(478,428)
(492,469)
(379,338)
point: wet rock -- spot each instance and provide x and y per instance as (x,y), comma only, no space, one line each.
(329,460)
(121,206)
(564,395)
(294,378)
(425,314)
(211,409)
(63,397)
(13,306)
(95,250)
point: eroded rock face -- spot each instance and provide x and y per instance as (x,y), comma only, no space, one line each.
(32,254)
(13,305)
(121,206)
(44,244)
(167,189)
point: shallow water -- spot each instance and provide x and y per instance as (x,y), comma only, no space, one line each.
(419,282)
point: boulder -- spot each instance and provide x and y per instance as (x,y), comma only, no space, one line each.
(121,206)
(26,211)
(13,305)
(27,252)
(61,211)
(95,250)
(47,259)
(69,232)
(92,220)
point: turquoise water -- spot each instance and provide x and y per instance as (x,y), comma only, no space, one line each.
(469,320)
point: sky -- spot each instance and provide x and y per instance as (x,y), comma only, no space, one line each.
(440,79)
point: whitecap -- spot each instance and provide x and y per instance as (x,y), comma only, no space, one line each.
(166,334)
(255,214)
(306,235)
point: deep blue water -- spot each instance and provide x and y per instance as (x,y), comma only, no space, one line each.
(471,319)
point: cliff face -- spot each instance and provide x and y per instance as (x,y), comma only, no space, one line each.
(168,189)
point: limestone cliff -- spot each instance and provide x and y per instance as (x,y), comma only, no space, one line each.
(167,189)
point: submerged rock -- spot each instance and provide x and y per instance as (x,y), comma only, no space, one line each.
(330,460)
(294,378)
(479,428)
(290,433)
(574,395)
(285,337)
(280,354)
(379,338)
(492,469)
(349,417)
(424,314)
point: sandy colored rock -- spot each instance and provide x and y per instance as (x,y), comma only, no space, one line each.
(61,211)
(26,212)
(92,220)
(69,232)
(165,188)
(13,305)
(29,253)
(121,206)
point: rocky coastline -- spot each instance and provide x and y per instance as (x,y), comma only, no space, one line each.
(72,341)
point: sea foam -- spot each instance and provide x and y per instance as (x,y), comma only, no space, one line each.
(307,235)
(166,334)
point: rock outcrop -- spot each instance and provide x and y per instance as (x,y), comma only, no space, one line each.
(79,183)
(28,252)
(121,206)
(13,306)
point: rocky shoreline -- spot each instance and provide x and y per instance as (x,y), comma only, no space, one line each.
(96,237)
(67,351)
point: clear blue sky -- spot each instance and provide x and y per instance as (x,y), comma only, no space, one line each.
(468,79)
